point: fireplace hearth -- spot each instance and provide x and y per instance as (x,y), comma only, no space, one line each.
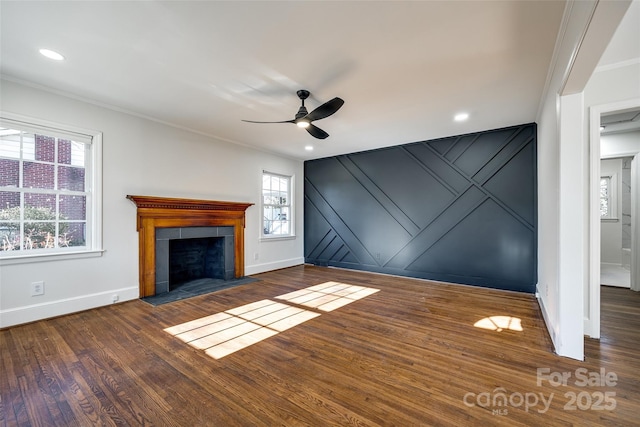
(163,220)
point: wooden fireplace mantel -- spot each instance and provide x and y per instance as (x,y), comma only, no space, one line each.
(162,212)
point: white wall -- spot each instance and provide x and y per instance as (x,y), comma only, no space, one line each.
(563,172)
(140,157)
(559,172)
(611,229)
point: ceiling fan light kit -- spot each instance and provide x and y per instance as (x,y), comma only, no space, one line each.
(303,118)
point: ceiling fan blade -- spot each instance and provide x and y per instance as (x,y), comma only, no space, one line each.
(325,110)
(316,132)
(284,121)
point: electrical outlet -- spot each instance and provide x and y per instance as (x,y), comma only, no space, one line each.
(255,256)
(37,288)
(115,298)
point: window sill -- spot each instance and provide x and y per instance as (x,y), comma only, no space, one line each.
(26,259)
(275,238)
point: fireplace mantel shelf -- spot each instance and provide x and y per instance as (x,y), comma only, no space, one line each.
(163,212)
(151,202)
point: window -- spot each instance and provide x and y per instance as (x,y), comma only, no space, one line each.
(276,205)
(48,181)
(608,197)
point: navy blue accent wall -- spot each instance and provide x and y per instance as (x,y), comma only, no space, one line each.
(460,209)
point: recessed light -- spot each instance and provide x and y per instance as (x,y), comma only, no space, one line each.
(461,117)
(308,148)
(51,54)
(601,128)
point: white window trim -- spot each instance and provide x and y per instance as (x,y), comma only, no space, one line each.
(613,198)
(292,226)
(94,214)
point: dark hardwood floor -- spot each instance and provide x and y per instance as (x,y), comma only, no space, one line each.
(406,355)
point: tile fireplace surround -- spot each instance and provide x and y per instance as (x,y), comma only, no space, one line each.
(160,212)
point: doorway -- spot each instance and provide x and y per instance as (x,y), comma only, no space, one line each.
(621,118)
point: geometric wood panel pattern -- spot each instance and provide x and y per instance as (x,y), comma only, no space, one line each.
(461,209)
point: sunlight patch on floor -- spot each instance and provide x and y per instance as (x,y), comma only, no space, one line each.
(224,333)
(500,323)
(328,296)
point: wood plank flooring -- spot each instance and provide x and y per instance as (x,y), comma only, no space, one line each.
(407,355)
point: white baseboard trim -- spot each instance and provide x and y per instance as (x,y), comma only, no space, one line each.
(545,317)
(270,266)
(34,312)
(587,327)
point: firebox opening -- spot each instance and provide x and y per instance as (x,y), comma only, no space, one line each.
(194,259)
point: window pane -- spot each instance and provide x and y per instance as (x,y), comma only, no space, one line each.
(9,143)
(41,207)
(37,175)
(9,173)
(9,205)
(267,198)
(45,148)
(64,151)
(268,212)
(9,236)
(39,235)
(70,178)
(284,184)
(73,207)
(284,214)
(78,151)
(604,197)
(28,146)
(72,234)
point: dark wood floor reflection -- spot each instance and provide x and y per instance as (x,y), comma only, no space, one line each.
(412,353)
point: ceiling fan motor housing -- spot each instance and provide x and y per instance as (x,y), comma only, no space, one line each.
(302,111)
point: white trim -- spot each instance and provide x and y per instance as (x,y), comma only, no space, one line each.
(270,266)
(292,211)
(554,58)
(44,257)
(35,312)
(547,323)
(93,193)
(26,123)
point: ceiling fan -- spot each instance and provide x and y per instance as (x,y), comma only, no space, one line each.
(303,118)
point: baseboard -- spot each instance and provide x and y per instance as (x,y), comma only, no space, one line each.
(587,328)
(547,323)
(35,312)
(270,266)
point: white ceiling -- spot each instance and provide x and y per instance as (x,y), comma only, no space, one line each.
(403,68)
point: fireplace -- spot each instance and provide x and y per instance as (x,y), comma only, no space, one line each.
(192,253)
(207,231)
